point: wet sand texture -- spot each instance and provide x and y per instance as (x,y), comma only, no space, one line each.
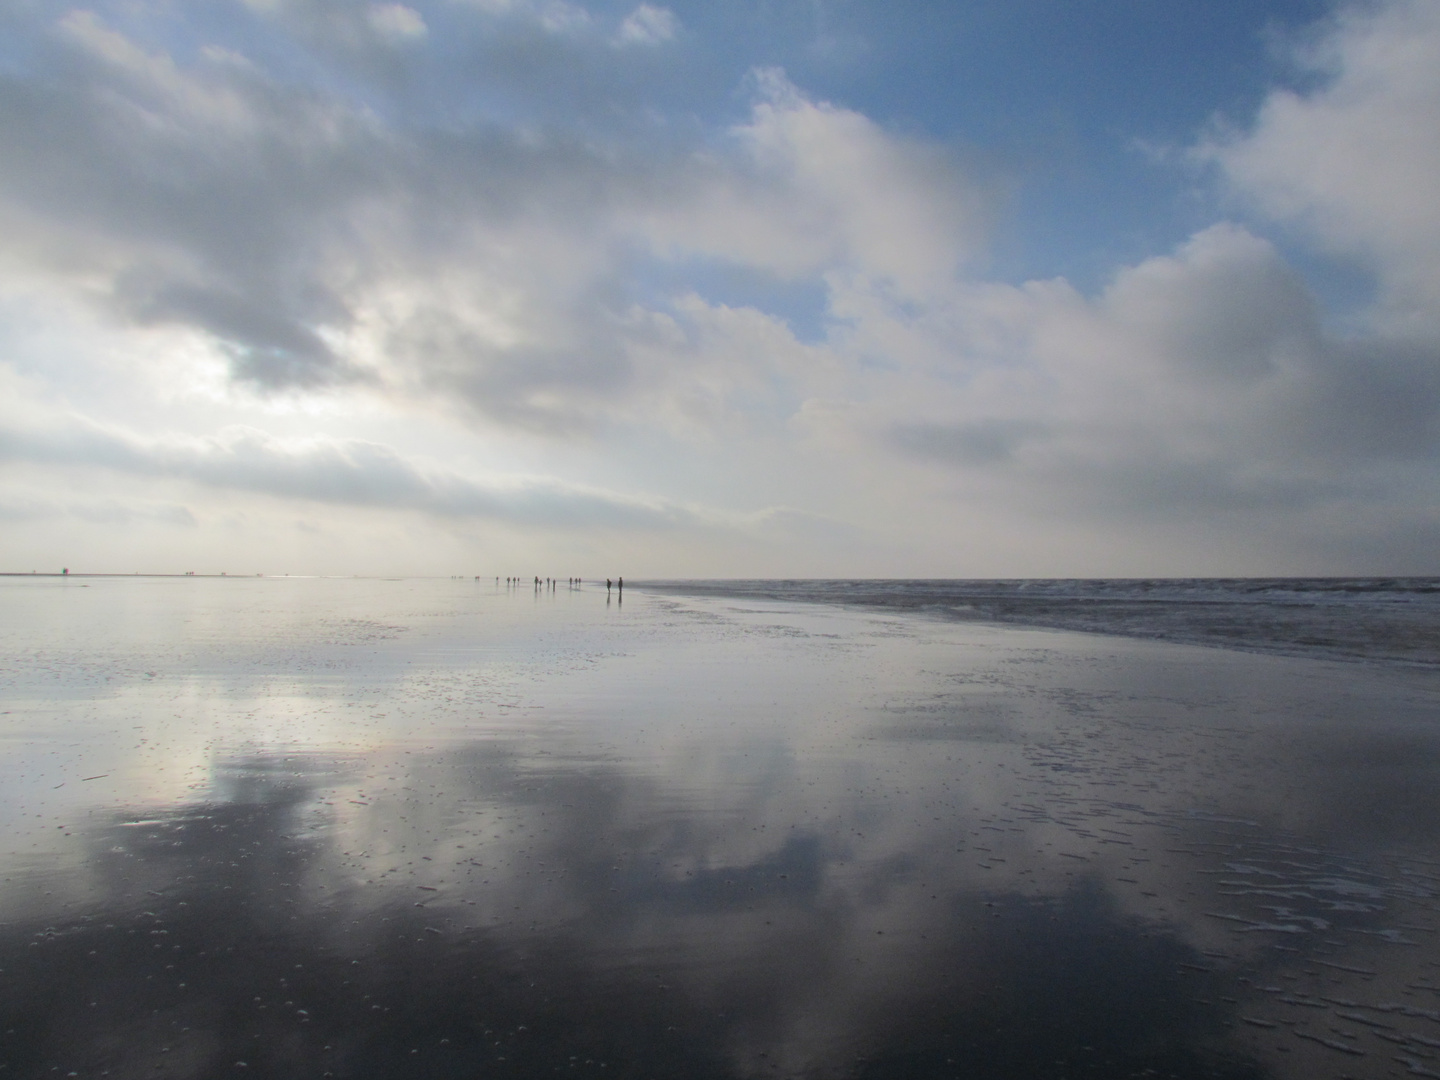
(436,829)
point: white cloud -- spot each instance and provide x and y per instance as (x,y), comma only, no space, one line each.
(818,188)
(562,18)
(1199,387)
(555,16)
(648,25)
(151,86)
(1356,160)
(396,22)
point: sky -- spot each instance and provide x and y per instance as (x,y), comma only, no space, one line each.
(768,288)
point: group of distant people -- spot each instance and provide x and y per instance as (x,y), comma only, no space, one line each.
(538,582)
(552,583)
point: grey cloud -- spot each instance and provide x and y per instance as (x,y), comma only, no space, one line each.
(20,508)
(1228,307)
(818,532)
(267,349)
(277,218)
(348,472)
(211,196)
(551,389)
(1200,387)
(1276,386)
(1179,488)
(1344,424)
(1367,399)
(205,198)
(1404,541)
(1330,425)
(988,441)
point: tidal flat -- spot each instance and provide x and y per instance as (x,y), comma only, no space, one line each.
(447,828)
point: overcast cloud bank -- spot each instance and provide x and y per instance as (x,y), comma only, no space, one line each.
(321,246)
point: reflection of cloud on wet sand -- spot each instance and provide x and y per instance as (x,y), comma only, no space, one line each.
(1274,816)
(240,928)
(961,851)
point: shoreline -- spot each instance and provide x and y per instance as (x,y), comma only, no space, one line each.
(1389,621)
(1383,620)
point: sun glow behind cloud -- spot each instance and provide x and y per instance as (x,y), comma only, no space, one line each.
(316,288)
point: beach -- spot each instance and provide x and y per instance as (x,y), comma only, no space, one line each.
(434,828)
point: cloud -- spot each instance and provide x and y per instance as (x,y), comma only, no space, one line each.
(648,25)
(817,189)
(986,441)
(29,507)
(357,207)
(531,317)
(317,246)
(1196,382)
(301,235)
(203,197)
(554,16)
(396,22)
(350,472)
(351,31)
(1355,159)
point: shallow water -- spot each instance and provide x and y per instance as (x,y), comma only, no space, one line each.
(440,828)
(1381,619)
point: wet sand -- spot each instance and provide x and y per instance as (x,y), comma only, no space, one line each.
(435,829)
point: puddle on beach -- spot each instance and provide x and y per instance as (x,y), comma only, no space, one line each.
(444,829)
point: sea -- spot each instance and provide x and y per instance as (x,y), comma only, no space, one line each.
(1394,619)
(466,827)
